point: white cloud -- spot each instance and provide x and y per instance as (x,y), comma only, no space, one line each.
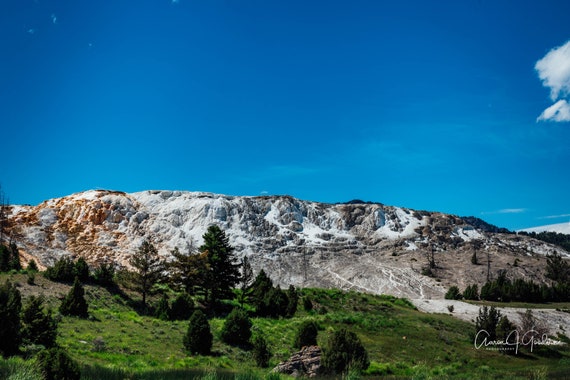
(505,211)
(554,72)
(559,111)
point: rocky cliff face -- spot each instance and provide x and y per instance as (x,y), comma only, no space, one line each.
(363,246)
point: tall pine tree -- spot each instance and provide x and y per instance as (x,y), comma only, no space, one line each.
(223,272)
(149,270)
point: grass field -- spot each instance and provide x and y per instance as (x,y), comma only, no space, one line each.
(118,343)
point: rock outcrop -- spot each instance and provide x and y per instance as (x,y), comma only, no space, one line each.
(306,363)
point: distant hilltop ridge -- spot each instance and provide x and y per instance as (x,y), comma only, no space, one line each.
(355,245)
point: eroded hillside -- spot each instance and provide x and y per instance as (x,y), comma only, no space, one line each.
(364,246)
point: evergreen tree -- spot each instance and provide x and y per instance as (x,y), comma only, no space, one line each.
(74,303)
(198,338)
(10,308)
(292,301)
(453,293)
(9,258)
(148,272)
(56,364)
(4,258)
(471,292)
(557,269)
(504,332)
(62,271)
(237,328)
(32,266)
(274,304)
(81,270)
(188,271)
(244,293)
(307,334)
(162,310)
(487,320)
(474,259)
(344,351)
(104,274)
(14,257)
(181,308)
(261,353)
(38,326)
(259,290)
(223,272)
(246,274)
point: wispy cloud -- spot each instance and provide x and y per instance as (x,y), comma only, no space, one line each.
(505,211)
(555,216)
(554,72)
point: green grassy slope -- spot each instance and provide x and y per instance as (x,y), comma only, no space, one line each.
(116,342)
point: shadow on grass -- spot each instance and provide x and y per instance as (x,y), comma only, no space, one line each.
(97,372)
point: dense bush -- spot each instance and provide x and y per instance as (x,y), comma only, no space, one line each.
(104,274)
(471,292)
(307,334)
(74,303)
(162,309)
(10,307)
(344,351)
(237,328)
(198,338)
(181,308)
(56,364)
(261,353)
(453,293)
(504,290)
(65,270)
(270,301)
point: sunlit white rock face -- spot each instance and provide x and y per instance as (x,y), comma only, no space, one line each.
(364,246)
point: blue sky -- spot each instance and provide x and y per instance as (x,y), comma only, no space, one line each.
(453,106)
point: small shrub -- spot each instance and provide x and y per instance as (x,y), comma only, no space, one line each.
(56,364)
(31,280)
(237,328)
(198,338)
(162,309)
(181,308)
(261,353)
(453,293)
(344,351)
(32,266)
(450,308)
(307,334)
(99,344)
